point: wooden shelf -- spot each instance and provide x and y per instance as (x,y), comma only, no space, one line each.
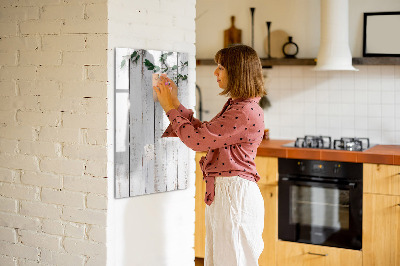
(312,61)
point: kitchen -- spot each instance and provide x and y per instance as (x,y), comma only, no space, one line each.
(307,104)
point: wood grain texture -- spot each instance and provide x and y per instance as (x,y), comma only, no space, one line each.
(298,254)
(381,230)
(200,207)
(270,233)
(267,168)
(381,179)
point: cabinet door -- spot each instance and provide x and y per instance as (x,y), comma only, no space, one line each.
(381,230)
(200,207)
(381,179)
(297,254)
(270,233)
(267,168)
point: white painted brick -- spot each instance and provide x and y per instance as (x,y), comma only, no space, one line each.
(8,146)
(63,197)
(88,57)
(16,132)
(8,58)
(96,42)
(29,2)
(8,205)
(62,12)
(39,87)
(8,234)
(39,118)
(18,72)
(67,135)
(18,161)
(61,259)
(94,201)
(72,104)
(35,239)
(7,88)
(19,221)
(7,117)
(98,121)
(40,148)
(84,216)
(85,152)
(69,42)
(95,136)
(7,175)
(18,191)
(84,26)
(39,58)
(98,169)
(25,103)
(75,230)
(97,234)
(60,73)
(18,13)
(84,247)
(18,250)
(53,227)
(87,88)
(38,209)
(8,261)
(62,166)
(86,184)
(40,27)
(25,262)
(41,179)
(97,11)
(97,73)
(100,260)
(19,43)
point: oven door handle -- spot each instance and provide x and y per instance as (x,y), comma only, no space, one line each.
(330,184)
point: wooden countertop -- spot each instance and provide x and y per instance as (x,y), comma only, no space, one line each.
(379,154)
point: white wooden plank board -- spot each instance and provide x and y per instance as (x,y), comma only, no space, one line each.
(137,184)
(121,125)
(183,94)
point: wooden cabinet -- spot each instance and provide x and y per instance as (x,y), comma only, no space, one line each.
(200,207)
(381,215)
(298,254)
(381,179)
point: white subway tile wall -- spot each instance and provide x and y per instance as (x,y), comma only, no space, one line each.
(338,104)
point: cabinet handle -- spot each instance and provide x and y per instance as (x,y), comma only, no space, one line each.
(318,254)
(398,204)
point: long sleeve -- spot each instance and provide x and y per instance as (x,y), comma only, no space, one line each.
(225,130)
(186,113)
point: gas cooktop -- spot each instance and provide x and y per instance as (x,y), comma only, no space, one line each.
(325,142)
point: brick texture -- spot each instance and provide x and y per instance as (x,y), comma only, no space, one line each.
(53,109)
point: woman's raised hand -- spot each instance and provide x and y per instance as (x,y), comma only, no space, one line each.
(164,95)
(174,89)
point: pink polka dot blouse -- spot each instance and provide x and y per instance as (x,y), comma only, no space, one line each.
(231,139)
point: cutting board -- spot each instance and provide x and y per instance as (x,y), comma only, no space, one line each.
(232,35)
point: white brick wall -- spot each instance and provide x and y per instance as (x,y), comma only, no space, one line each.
(53,110)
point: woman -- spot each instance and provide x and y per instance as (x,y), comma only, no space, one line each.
(235,207)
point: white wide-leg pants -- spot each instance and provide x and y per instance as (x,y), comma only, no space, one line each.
(234,223)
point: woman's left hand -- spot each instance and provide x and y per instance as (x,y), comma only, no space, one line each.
(164,95)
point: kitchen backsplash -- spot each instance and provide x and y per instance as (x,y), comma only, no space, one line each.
(338,104)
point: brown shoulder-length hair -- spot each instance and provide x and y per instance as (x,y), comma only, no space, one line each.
(245,78)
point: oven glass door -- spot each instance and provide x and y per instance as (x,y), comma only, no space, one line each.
(320,213)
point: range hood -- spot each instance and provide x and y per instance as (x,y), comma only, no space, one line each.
(334,51)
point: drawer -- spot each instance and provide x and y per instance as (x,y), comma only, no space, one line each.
(381,179)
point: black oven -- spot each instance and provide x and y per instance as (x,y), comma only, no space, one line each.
(320,202)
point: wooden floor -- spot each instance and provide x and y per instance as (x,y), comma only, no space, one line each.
(199,262)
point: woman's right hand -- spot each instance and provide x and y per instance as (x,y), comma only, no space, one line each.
(174,89)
